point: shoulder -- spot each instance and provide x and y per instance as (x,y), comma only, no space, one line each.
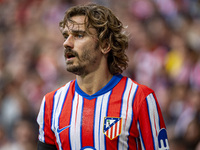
(141,94)
(140,98)
(49,97)
(142,90)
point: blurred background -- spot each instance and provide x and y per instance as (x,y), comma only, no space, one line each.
(164,54)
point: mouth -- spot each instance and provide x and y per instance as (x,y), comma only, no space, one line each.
(69,56)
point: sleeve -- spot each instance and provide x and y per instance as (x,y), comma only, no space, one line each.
(44,146)
(151,126)
(44,119)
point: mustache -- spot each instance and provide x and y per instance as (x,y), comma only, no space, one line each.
(70,52)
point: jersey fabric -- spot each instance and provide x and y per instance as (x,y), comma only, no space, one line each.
(122,115)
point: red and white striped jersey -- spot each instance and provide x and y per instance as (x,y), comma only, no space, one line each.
(122,115)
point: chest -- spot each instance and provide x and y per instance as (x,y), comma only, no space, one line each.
(99,122)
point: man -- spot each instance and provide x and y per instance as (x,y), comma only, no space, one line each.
(100,109)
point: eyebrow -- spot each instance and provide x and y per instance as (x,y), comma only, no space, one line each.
(74,32)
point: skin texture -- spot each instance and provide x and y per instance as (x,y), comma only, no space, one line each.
(84,57)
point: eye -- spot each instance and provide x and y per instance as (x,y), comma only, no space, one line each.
(65,36)
(79,35)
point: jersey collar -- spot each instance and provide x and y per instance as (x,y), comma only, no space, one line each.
(110,85)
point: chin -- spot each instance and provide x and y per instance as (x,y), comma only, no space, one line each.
(77,70)
(74,70)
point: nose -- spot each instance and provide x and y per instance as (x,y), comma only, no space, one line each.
(69,42)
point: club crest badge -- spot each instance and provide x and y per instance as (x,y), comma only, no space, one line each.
(112,127)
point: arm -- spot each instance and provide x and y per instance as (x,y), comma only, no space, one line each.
(46,135)
(151,126)
(44,146)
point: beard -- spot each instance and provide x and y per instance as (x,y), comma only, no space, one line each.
(77,69)
(80,66)
(70,64)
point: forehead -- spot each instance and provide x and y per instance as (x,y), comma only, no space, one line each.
(79,23)
(76,23)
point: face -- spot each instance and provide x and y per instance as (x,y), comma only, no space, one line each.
(81,49)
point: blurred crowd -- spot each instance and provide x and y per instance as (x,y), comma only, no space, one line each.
(164,54)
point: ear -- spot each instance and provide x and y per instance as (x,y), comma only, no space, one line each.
(105,48)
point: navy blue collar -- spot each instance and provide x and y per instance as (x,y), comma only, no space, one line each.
(110,85)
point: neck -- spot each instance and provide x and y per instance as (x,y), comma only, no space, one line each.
(93,82)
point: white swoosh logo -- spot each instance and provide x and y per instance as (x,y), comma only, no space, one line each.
(62,129)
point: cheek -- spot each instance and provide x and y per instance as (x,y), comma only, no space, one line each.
(89,52)
(87,49)
(87,55)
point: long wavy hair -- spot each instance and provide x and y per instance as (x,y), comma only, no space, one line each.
(109,28)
